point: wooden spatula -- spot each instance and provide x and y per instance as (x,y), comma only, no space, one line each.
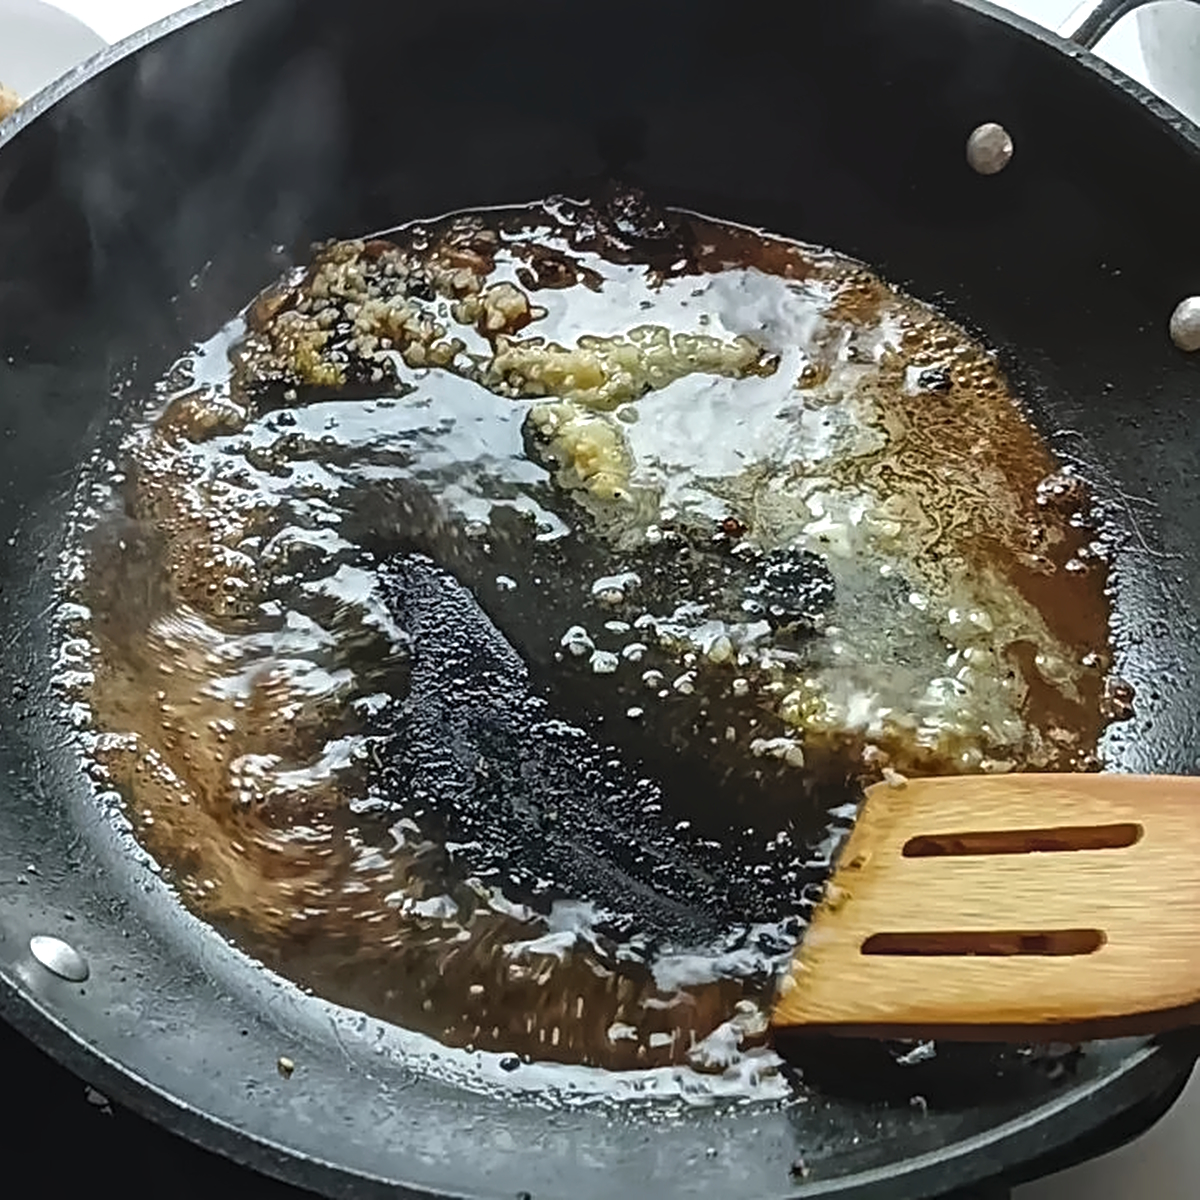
(1014,907)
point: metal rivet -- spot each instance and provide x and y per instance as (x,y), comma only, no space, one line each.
(1185,324)
(989,149)
(59,958)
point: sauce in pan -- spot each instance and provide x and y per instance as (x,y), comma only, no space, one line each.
(491,626)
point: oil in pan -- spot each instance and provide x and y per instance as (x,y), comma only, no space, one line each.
(491,628)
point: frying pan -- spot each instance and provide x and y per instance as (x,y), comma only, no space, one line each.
(146,197)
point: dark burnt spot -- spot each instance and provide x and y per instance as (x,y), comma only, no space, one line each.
(376,248)
(1118,699)
(935,379)
(488,758)
(666,823)
(789,588)
(421,289)
(551,269)
(625,225)
(629,214)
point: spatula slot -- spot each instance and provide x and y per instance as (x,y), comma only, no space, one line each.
(1024,841)
(1047,943)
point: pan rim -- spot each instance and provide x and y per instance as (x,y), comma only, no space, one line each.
(50,95)
(1153,1069)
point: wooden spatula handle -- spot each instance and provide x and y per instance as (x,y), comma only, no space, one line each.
(1021,906)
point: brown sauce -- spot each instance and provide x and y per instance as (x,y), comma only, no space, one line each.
(243,660)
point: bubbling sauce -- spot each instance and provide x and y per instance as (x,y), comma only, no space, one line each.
(491,627)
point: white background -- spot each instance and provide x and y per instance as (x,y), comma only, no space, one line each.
(37,43)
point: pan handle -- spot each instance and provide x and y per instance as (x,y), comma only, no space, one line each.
(1088,23)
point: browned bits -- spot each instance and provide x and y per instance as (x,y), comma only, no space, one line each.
(548,270)
(859,298)
(1064,492)
(268,306)
(200,415)
(813,374)
(1118,699)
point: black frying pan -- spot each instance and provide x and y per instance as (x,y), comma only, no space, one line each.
(220,147)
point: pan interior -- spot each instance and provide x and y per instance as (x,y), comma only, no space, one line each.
(493,626)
